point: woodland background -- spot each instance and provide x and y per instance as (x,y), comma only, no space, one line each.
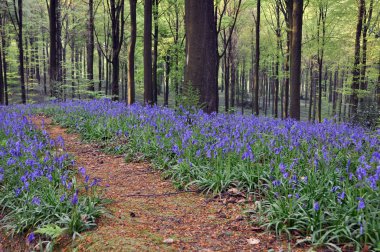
(136,51)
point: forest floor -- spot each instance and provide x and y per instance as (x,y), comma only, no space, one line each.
(148,214)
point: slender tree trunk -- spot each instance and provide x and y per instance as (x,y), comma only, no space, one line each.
(44,59)
(311,89)
(155,51)
(257,65)
(167,78)
(90,45)
(148,82)
(131,53)
(356,68)
(2,97)
(366,25)
(21,51)
(295,59)
(72,42)
(227,79)
(100,69)
(4,59)
(2,83)
(277,64)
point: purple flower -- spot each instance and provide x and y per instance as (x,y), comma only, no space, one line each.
(62,198)
(74,199)
(31,237)
(276,183)
(36,201)
(316,206)
(82,171)
(361,204)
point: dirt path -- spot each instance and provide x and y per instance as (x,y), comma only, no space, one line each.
(149,222)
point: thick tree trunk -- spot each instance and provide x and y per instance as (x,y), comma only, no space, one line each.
(117,30)
(131,54)
(295,59)
(55,73)
(201,56)
(356,69)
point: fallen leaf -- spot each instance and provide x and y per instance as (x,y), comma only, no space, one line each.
(253,241)
(169,240)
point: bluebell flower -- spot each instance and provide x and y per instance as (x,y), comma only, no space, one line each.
(316,206)
(361,204)
(36,201)
(31,237)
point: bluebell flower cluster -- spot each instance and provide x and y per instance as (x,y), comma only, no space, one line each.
(315,178)
(37,185)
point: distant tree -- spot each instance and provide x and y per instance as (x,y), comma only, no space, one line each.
(201,56)
(295,59)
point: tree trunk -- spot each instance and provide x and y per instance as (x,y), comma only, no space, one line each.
(201,63)
(295,59)
(148,82)
(4,60)
(155,52)
(117,30)
(367,22)
(2,85)
(227,79)
(55,47)
(257,65)
(100,69)
(131,54)
(167,78)
(277,64)
(90,46)
(21,51)
(356,69)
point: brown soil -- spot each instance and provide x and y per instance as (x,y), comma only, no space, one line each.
(148,214)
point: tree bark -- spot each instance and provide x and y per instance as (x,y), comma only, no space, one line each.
(55,47)
(356,68)
(295,59)
(148,82)
(131,54)
(90,45)
(201,56)
(257,65)
(366,25)
(155,52)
